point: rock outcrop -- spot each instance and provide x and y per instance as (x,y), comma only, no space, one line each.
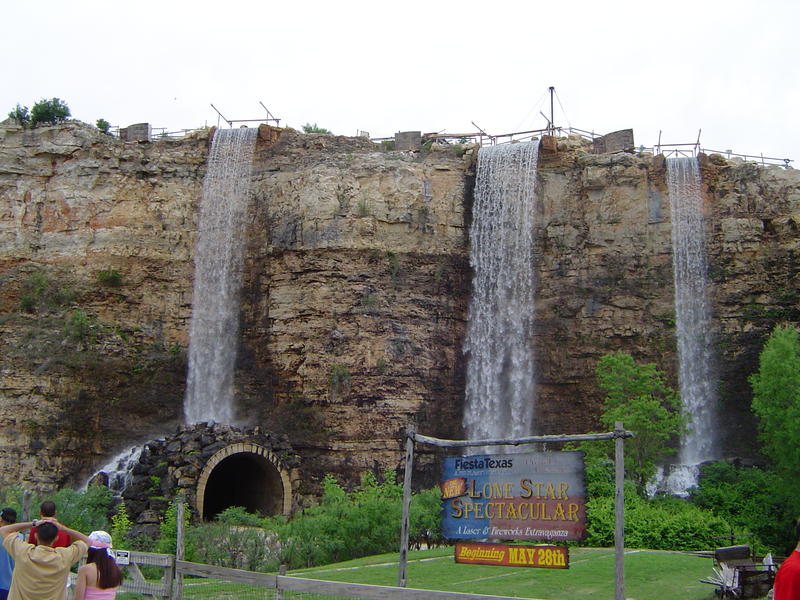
(356,290)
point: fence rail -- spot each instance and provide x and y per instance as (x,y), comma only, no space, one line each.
(284,586)
(693,149)
(482,138)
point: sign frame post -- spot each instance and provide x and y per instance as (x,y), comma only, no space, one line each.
(619,434)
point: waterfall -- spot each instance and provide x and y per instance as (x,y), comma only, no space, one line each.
(500,362)
(697,371)
(214,328)
(119,469)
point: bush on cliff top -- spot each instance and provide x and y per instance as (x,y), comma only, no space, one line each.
(50,111)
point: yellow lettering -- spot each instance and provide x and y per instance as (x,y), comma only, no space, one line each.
(511,512)
(492,490)
(508,490)
(516,556)
(559,512)
(550,491)
(563,486)
(472,492)
(531,555)
(527,491)
(572,511)
(456,505)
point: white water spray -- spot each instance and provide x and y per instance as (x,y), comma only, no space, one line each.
(500,372)
(693,321)
(214,328)
(119,469)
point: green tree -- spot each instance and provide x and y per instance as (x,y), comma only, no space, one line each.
(120,525)
(49,111)
(103,125)
(168,531)
(638,395)
(309,128)
(20,115)
(776,400)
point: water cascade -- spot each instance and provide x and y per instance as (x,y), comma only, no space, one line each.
(119,469)
(214,328)
(500,373)
(697,371)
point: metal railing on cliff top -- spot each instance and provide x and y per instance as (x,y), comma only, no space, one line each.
(483,138)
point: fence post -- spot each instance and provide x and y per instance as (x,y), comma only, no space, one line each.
(619,511)
(26,505)
(403,563)
(177,589)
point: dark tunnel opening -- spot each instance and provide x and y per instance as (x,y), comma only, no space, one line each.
(243,479)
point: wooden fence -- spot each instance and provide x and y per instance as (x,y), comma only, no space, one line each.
(281,586)
(187,580)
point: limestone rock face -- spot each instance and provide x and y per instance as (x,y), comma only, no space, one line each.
(356,288)
(91,364)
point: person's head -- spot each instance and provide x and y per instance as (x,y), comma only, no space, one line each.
(100,553)
(8,516)
(47,508)
(46,533)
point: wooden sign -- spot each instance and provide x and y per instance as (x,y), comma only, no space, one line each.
(540,557)
(531,496)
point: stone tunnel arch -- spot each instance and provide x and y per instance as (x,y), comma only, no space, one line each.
(245,475)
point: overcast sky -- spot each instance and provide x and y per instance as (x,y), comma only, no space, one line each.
(727,67)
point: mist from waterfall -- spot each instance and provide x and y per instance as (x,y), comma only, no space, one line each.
(697,361)
(219,251)
(500,384)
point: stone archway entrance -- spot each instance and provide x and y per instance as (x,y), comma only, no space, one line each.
(245,475)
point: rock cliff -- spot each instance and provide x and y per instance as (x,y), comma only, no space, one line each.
(356,290)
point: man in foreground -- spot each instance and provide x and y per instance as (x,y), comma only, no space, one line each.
(41,571)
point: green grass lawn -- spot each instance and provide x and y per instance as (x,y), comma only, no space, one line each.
(649,575)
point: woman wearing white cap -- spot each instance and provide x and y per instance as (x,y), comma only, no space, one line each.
(100,577)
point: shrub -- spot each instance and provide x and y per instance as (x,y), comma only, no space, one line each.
(49,111)
(309,128)
(110,277)
(103,125)
(120,525)
(752,500)
(168,532)
(20,115)
(236,547)
(425,518)
(394,265)
(82,510)
(43,292)
(238,515)
(339,379)
(668,524)
(350,525)
(79,327)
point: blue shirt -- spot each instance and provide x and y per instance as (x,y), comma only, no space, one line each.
(6,567)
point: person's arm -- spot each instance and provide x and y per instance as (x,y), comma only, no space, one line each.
(81,582)
(7,530)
